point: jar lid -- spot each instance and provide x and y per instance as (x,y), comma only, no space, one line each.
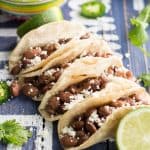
(28,7)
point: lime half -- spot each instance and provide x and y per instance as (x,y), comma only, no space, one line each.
(134,130)
(53,14)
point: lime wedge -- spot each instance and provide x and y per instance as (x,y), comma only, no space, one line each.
(53,14)
(134,130)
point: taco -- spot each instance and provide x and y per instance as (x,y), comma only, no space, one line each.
(35,84)
(81,80)
(96,119)
(41,45)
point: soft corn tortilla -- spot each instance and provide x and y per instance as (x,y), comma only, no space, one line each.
(89,67)
(45,34)
(109,127)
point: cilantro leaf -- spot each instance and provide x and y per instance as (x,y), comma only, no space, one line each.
(145,14)
(138,34)
(145,79)
(12,132)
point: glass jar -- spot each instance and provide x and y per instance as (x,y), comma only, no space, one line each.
(28,7)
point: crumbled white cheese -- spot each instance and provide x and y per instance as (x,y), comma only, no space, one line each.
(95,94)
(44,52)
(134,98)
(37,48)
(94,117)
(58,98)
(57,69)
(24,58)
(75,99)
(69,130)
(89,87)
(98,87)
(31,90)
(50,72)
(69,64)
(87,93)
(103,119)
(92,81)
(36,60)
(52,83)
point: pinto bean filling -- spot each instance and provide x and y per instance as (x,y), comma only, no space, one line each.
(116,71)
(45,81)
(87,123)
(35,55)
(41,83)
(78,92)
(74,94)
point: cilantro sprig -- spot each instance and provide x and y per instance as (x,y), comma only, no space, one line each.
(138,34)
(12,132)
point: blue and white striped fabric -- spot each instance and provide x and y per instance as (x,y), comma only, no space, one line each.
(113,27)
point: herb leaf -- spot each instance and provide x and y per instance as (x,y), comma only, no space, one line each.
(145,14)
(146,79)
(12,132)
(138,35)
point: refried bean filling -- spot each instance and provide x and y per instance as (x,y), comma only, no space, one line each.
(38,85)
(87,123)
(74,94)
(35,55)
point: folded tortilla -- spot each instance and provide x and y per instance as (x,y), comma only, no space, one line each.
(43,35)
(121,88)
(78,50)
(80,70)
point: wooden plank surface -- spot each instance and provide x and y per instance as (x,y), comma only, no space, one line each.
(114,28)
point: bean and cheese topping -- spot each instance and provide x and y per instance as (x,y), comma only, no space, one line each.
(46,80)
(79,92)
(87,123)
(34,55)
